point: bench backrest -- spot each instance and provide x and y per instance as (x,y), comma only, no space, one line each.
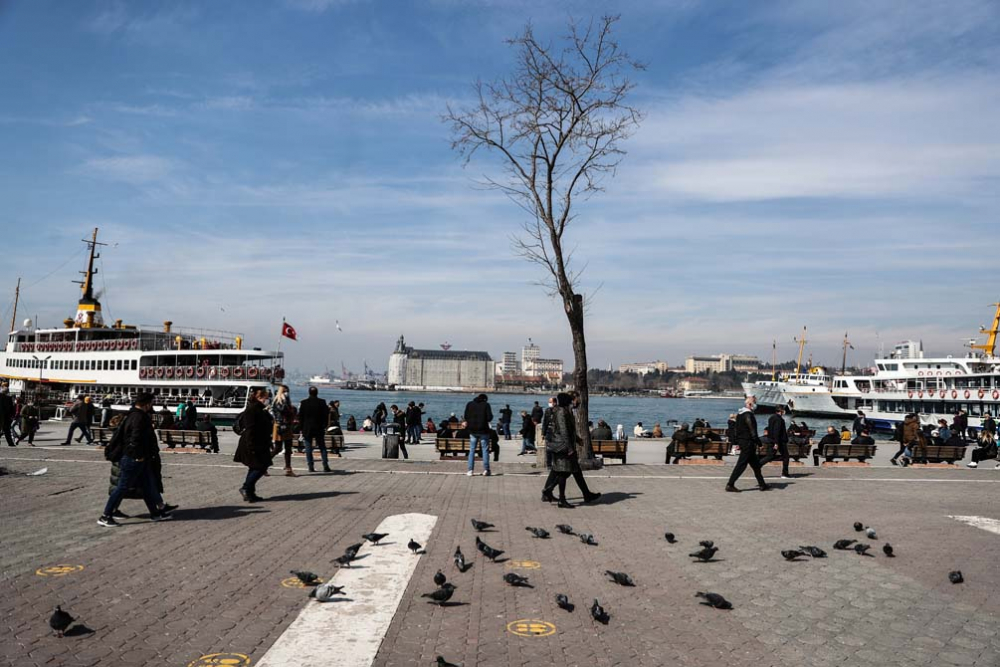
(609,446)
(847,449)
(451,444)
(702,447)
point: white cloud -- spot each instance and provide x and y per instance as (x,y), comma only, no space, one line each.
(133,169)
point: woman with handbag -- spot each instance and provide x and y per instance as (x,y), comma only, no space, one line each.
(255,428)
(283,415)
(562,446)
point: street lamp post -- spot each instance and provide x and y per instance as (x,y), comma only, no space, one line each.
(41,366)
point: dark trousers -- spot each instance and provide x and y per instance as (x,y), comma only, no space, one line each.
(30,432)
(505,427)
(413,434)
(402,448)
(578,478)
(318,439)
(250,484)
(748,457)
(6,432)
(556,479)
(84,429)
(134,473)
(983,454)
(783,453)
(902,450)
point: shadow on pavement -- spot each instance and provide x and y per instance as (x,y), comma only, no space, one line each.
(612,497)
(216,513)
(309,496)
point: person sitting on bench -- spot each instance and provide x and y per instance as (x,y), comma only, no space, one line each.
(602,431)
(681,435)
(864,438)
(831,438)
(641,432)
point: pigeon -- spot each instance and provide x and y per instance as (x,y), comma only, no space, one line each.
(792,554)
(708,544)
(343,561)
(414,546)
(887,550)
(815,552)
(858,526)
(870,532)
(441,595)
(375,537)
(587,538)
(620,578)
(862,549)
(480,526)
(516,580)
(307,578)
(60,620)
(540,533)
(353,550)
(670,537)
(326,592)
(487,550)
(598,614)
(565,529)
(459,558)
(715,600)
(956,577)
(441,662)
(439,578)
(563,602)
(843,545)
(705,554)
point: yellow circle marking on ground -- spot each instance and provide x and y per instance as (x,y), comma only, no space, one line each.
(295,582)
(530,627)
(57,570)
(221,660)
(524,564)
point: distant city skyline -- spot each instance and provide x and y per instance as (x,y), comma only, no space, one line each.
(807,163)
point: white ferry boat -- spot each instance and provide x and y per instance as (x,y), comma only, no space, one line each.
(905,382)
(119,361)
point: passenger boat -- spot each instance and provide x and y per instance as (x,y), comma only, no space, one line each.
(905,382)
(118,361)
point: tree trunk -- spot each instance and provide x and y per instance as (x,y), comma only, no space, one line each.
(574,314)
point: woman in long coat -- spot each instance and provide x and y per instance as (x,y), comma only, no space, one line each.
(562,446)
(254,449)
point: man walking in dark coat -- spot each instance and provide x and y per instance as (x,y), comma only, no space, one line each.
(413,427)
(537,413)
(505,416)
(779,434)
(83,416)
(478,415)
(6,415)
(748,441)
(314,414)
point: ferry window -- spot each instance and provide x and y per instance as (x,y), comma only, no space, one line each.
(135,364)
(119,364)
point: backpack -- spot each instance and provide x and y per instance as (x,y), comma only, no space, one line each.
(116,446)
(238,427)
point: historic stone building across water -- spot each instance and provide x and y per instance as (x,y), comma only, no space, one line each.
(458,370)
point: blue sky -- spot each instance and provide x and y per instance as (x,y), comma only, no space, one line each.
(834,165)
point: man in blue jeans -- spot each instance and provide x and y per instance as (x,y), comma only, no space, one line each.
(138,447)
(478,416)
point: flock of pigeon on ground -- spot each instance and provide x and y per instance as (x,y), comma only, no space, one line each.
(328,592)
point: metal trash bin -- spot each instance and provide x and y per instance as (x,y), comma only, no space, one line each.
(390,442)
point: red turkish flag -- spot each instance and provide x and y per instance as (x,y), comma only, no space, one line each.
(288,331)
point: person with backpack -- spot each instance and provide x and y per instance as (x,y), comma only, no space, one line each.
(133,448)
(255,428)
(283,419)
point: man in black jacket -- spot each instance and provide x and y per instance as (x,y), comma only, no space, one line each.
(505,416)
(6,415)
(314,414)
(138,448)
(746,438)
(413,428)
(478,415)
(779,434)
(537,413)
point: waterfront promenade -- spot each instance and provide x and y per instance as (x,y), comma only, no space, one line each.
(210,581)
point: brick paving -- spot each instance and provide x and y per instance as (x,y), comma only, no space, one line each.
(210,581)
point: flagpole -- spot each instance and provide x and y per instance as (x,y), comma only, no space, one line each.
(282,334)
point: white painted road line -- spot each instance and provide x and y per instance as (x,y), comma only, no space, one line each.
(349,634)
(987,524)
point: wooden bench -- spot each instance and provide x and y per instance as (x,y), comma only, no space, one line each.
(708,432)
(948,454)
(702,448)
(611,449)
(102,435)
(334,443)
(796,451)
(185,439)
(454,448)
(846,451)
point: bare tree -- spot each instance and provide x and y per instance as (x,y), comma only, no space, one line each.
(556,123)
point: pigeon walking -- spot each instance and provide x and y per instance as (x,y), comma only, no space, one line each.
(414,546)
(487,550)
(60,620)
(858,526)
(714,600)
(516,580)
(441,595)
(540,533)
(598,614)
(459,558)
(620,578)
(326,592)
(669,537)
(843,545)
(439,578)
(441,662)
(956,577)
(307,578)
(708,544)
(870,532)
(343,561)
(792,554)
(564,529)
(563,603)
(815,552)
(480,526)
(374,538)
(705,554)
(862,549)
(587,538)
(887,550)
(353,550)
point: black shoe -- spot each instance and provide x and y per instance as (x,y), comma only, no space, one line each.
(255,498)
(64,443)
(564,504)
(311,469)
(893,462)
(108,522)
(589,498)
(169,508)
(732,489)
(118,514)
(548,497)
(327,469)
(763,487)
(246,496)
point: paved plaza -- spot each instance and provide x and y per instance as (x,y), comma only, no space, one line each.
(212,585)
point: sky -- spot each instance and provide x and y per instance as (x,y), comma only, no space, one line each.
(830,165)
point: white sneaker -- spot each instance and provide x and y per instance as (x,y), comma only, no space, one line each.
(972,464)
(998,467)
(468,474)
